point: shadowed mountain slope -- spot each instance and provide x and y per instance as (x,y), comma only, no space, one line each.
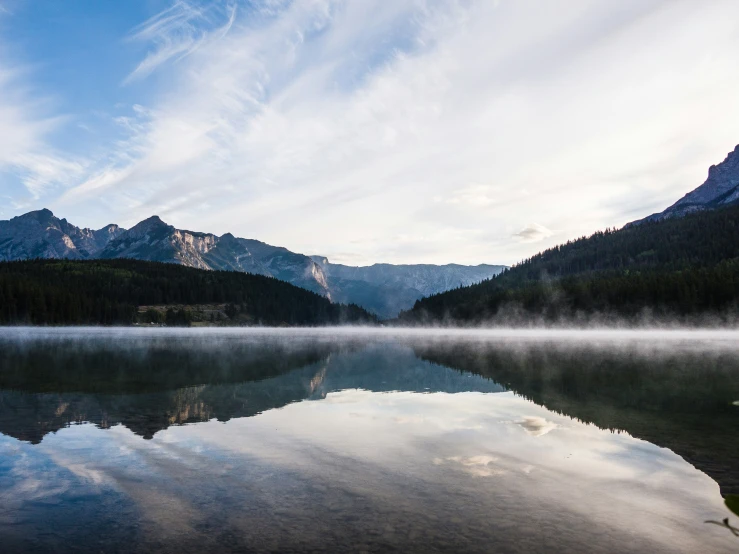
(720,189)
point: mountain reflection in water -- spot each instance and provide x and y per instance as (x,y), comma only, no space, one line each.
(367,463)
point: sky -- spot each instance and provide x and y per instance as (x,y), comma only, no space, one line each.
(404,131)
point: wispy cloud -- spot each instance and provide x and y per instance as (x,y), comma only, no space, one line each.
(24,150)
(176,33)
(452,124)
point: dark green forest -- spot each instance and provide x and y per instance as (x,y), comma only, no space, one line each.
(682,268)
(109,292)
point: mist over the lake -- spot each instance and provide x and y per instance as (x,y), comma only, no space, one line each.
(467,426)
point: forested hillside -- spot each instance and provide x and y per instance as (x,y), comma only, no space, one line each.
(684,268)
(95,292)
(383,289)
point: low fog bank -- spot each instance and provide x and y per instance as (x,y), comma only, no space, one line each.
(328,333)
(516,315)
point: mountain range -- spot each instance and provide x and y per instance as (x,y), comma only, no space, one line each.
(384,289)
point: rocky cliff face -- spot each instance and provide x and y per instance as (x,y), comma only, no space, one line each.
(154,240)
(384,289)
(721,188)
(40,234)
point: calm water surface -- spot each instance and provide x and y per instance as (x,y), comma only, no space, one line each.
(335,440)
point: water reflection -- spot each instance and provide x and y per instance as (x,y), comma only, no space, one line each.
(150,383)
(322,442)
(676,394)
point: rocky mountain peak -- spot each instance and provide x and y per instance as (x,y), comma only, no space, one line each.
(152,221)
(39,234)
(42,216)
(109,228)
(147,226)
(227,240)
(722,179)
(102,237)
(721,188)
(727,167)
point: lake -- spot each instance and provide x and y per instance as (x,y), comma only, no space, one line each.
(351,440)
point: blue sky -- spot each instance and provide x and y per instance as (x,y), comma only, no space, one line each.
(437,131)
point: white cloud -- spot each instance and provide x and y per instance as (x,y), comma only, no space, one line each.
(24,151)
(533,233)
(176,33)
(317,123)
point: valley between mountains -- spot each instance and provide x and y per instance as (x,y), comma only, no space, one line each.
(383,289)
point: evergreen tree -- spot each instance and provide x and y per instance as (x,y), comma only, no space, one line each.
(685,268)
(109,292)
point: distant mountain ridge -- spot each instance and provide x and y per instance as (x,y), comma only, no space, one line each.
(384,289)
(425,278)
(387,286)
(720,189)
